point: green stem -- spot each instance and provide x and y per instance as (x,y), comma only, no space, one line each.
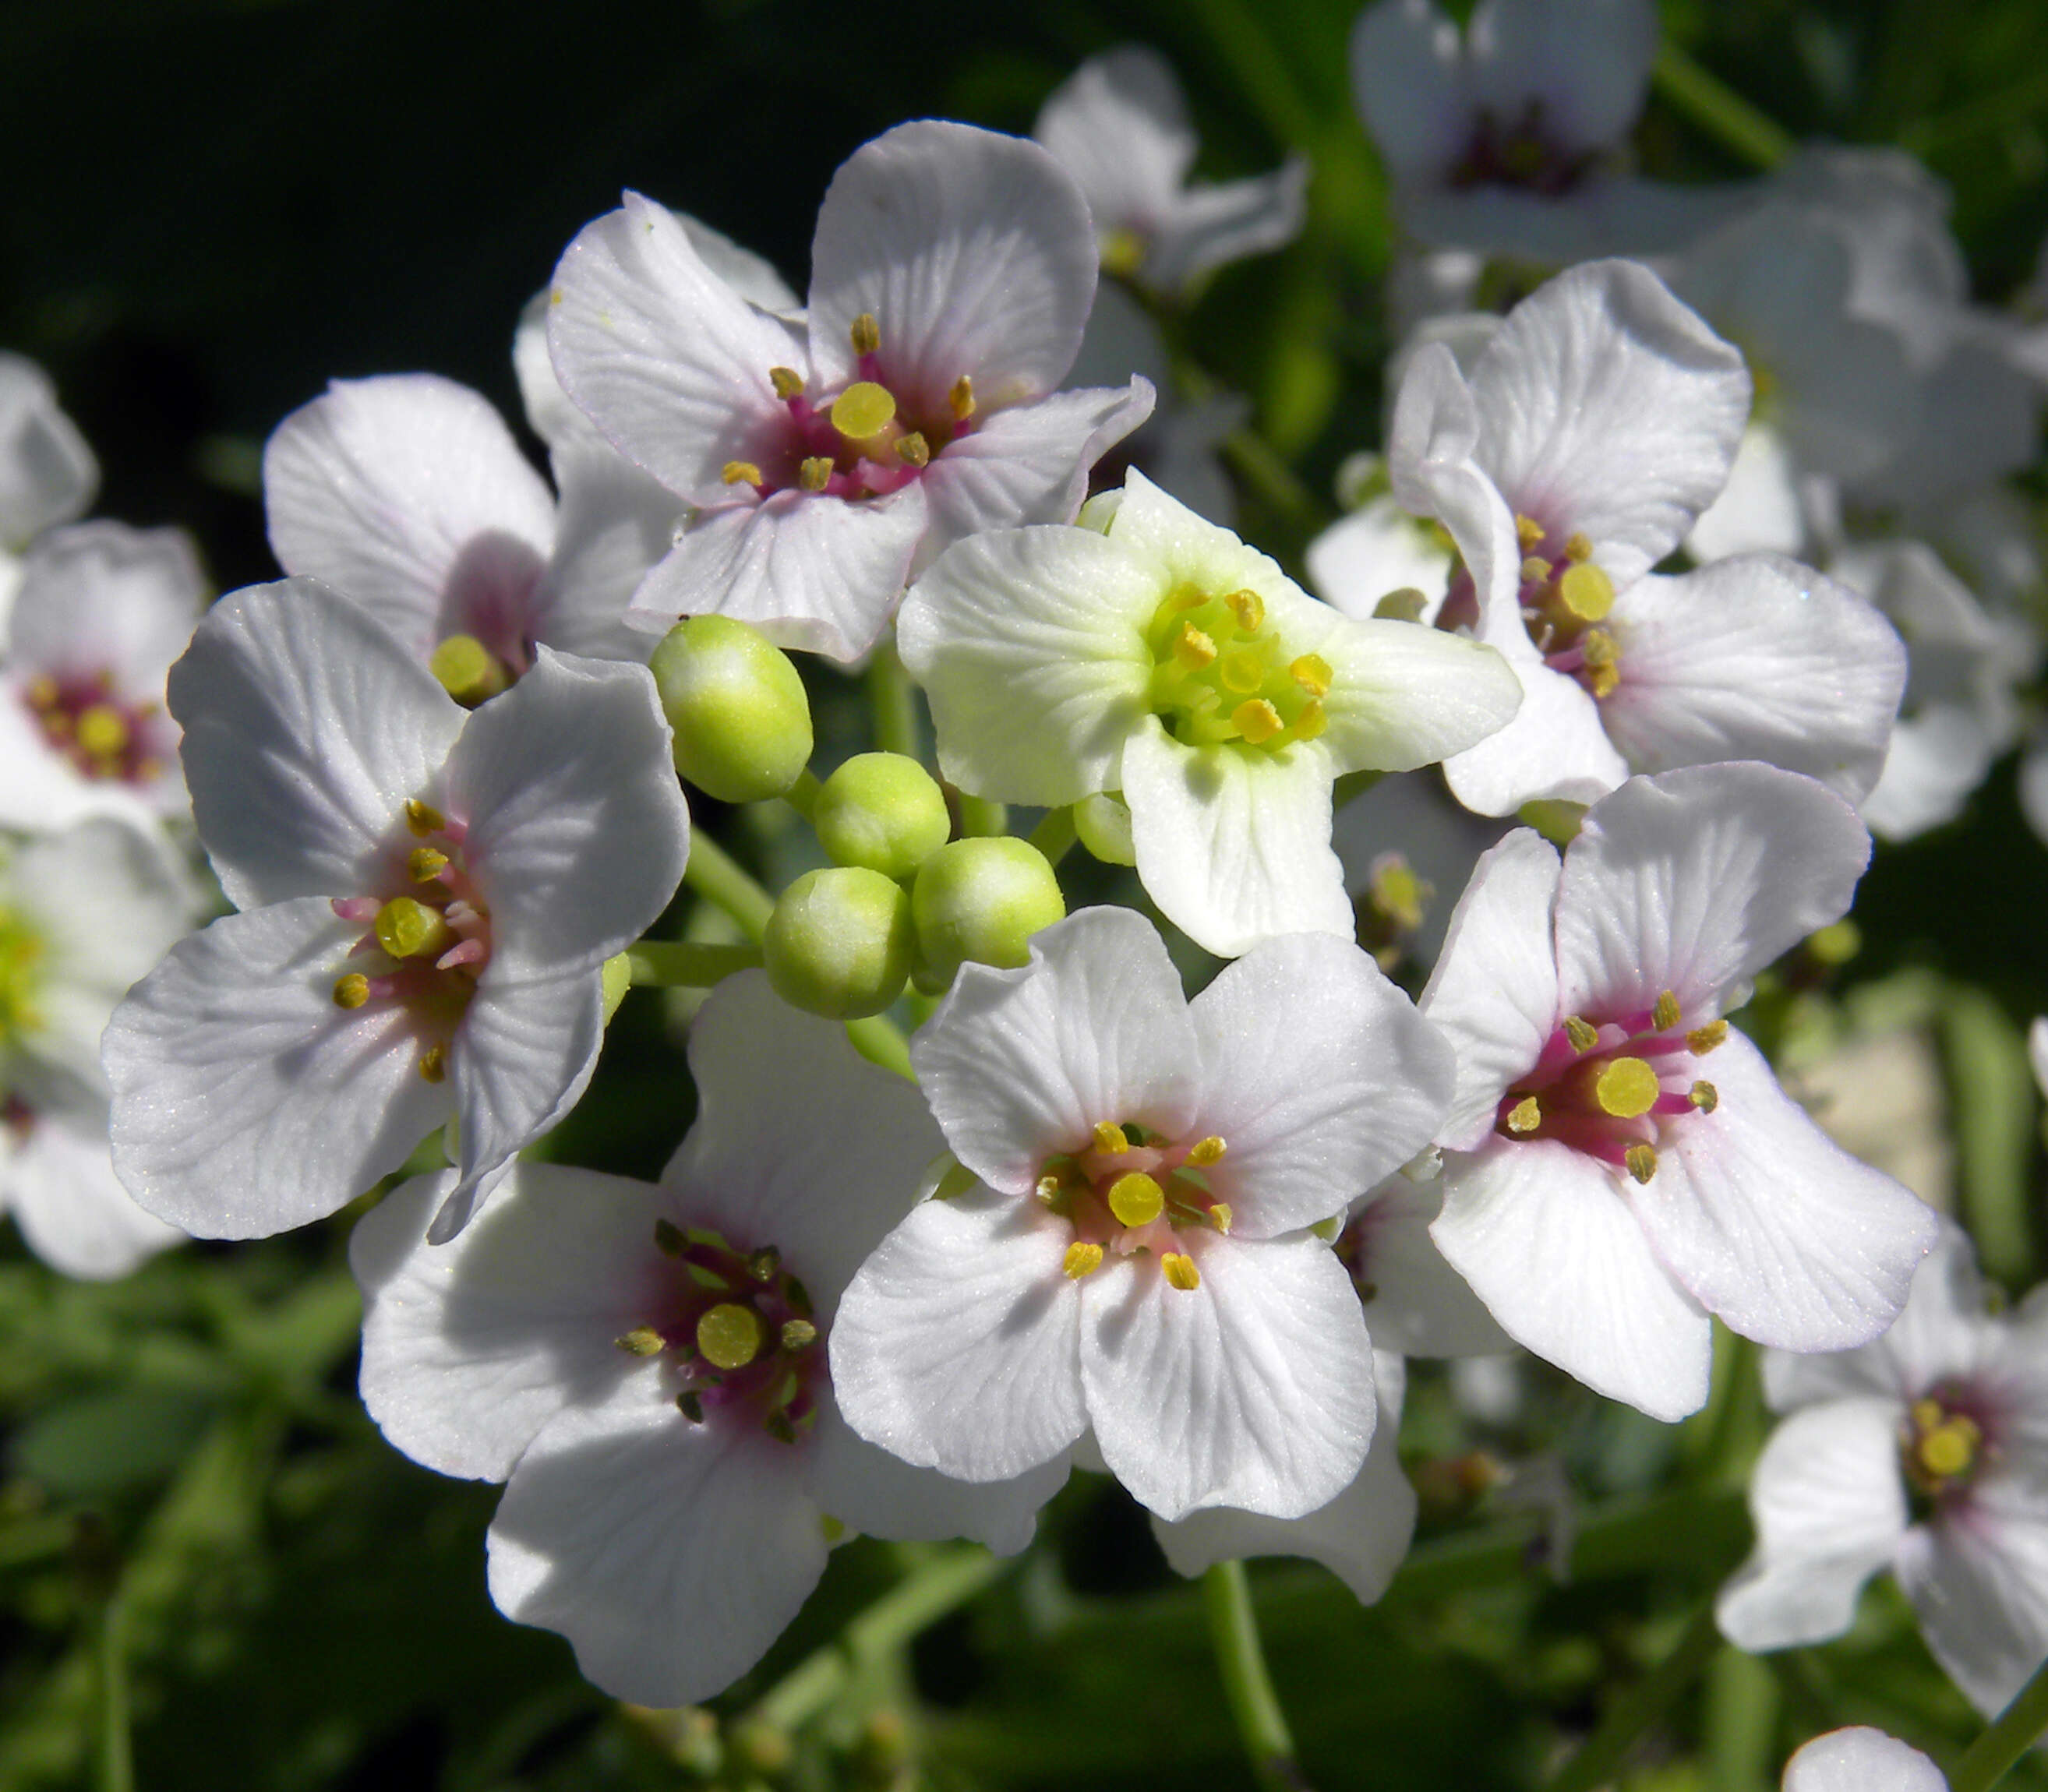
(943,1583)
(803,795)
(1233,1635)
(876,1038)
(715,875)
(1055,834)
(1718,109)
(1260,464)
(894,700)
(980,819)
(687,964)
(2011,1734)
(115,1753)
(1639,1708)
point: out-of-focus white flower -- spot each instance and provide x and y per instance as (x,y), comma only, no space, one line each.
(1120,125)
(1600,1194)
(1133,1260)
(825,462)
(47,474)
(1861,1759)
(428,895)
(1408,851)
(1159,655)
(1926,1451)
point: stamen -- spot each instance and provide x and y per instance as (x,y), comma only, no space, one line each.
(816,473)
(410,929)
(422,818)
(1192,649)
(425,864)
(1625,1087)
(1082,1260)
(1642,1161)
(913,450)
(1206,1151)
(1585,591)
(865,333)
(729,1335)
(764,1262)
(1258,721)
(1406,605)
(1528,532)
(1136,1200)
(1525,1115)
(1704,1096)
(788,383)
(1702,1040)
(864,409)
(1665,1015)
(1309,724)
(352,990)
(101,733)
(960,400)
(1111,1139)
(1582,1033)
(642,1340)
(1603,661)
(1241,672)
(433,1064)
(740,472)
(1249,608)
(1578,547)
(797,1334)
(1311,672)
(1220,1216)
(1180,1272)
(467,670)
(1535,571)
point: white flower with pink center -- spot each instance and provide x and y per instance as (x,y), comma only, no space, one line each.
(825,462)
(1619,1163)
(1926,1452)
(1596,424)
(428,895)
(646,1363)
(102,611)
(1132,1257)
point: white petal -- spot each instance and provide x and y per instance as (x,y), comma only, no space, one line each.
(586,1542)
(669,362)
(408,494)
(60,1187)
(1119,126)
(1545,1237)
(1760,509)
(1830,1510)
(1493,992)
(1208,226)
(1379,549)
(577,829)
(1431,458)
(1555,746)
(809,571)
(1319,1077)
(1030,646)
(799,1142)
(469,1347)
(1980,1585)
(1253,1390)
(1021,1064)
(1401,694)
(1770,1225)
(956,1346)
(1407,75)
(1589,60)
(1861,1759)
(1415,1303)
(246,1102)
(1233,844)
(973,252)
(1755,658)
(47,474)
(1608,408)
(1696,879)
(102,598)
(308,727)
(615,523)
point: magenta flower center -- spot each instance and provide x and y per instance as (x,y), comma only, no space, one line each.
(1521,151)
(1132,1189)
(107,735)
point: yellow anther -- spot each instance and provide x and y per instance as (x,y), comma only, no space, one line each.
(424,863)
(1111,1139)
(1241,672)
(1136,1200)
(763,1264)
(1220,1215)
(1396,895)
(101,733)
(1081,1259)
(729,1335)
(1585,591)
(433,1064)
(1665,1015)
(1528,532)
(1049,1186)
(960,400)
(1206,1151)
(1578,547)
(864,409)
(816,473)
(1582,1033)
(1121,250)
(1836,944)
(788,383)
(1625,1087)
(1603,661)
(43,691)
(410,929)
(913,450)
(1704,1096)
(797,1334)
(740,472)
(1703,1039)
(642,1340)
(1311,721)
(468,671)
(1525,1115)
(1257,721)
(1950,1449)
(352,990)
(422,818)
(1535,571)
(1180,1272)
(1311,672)
(1406,605)
(1642,1161)
(866,334)
(1192,649)
(1249,608)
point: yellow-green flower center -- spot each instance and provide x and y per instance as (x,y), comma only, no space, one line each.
(20,963)
(1221,674)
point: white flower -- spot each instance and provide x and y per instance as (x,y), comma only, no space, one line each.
(827,463)
(1119,126)
(102,611)
(1861,1759)
(1162,657)
(47,474)
(408,494)
(554,1342)
(1620,1164)
(1923,1452)
(82,913)
(1599,421)
(1132,1258)
(428,896)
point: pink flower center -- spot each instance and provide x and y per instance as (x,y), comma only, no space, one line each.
(106,735)
(1520,151)
(1131,1190)
(1948,1437)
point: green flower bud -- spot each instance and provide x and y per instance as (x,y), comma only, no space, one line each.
(1103,824)
(840,943)
(883,811)
(742,721)
(983,900)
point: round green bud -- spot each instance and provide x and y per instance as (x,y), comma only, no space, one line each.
(742,721)
(983,900)
(840,943)
(883,811)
